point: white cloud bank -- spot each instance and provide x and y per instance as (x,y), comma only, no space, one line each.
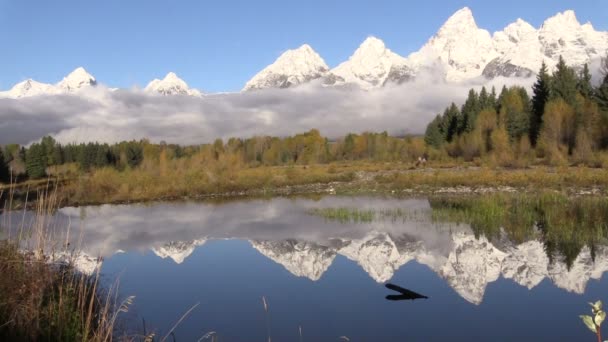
(99,114)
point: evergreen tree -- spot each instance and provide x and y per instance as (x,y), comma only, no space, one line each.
(493,100)
(434,135)
(35,161)
(484,99)
(564,83)
(541,92)
(451,118)
(515,113)
(584,82)
(101,156)
(470,110)
(501,96)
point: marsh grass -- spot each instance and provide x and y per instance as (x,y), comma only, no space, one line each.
(44,297)
(535,178)
(110,186)
(356,215)
(563,223)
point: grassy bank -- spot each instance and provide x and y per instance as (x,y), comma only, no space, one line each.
(108,185)
(111,186)
(533,178)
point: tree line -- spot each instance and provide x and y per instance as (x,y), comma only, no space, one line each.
(565,121)
(40,158)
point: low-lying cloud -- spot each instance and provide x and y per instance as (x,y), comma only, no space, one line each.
(100,114)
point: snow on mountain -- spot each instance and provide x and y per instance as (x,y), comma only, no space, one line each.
(377,254)
(460,51)
(522,48)
(582,270)
(29,88)
(302,259)
(178,251)
(519,49)
(526,264)
(373,65)
(77,79)
(471,266)
(462,47)
(292,68)
(74,81)
(171,85)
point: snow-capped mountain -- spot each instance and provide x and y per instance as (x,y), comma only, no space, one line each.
(522,48)
(171,85)
(373,65)
(302,259)
(463,48)
(77,79)
(73,82)
(292,68)
(178,251)
(470,265)
(526,264)
(29,88)
(377,254)
(460,50)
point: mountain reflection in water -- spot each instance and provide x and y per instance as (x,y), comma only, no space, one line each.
(306,245)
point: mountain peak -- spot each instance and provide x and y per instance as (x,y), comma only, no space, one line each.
(77,79)
(517,30)
(172,76)
(561,20)
(461,18)
(373,43)
(170,85)
(305,48)
(291,68)
(372,65)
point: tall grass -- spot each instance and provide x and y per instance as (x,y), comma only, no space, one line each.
(536,178)
(43,297)
(357,215)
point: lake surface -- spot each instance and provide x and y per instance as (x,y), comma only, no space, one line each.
(323,278)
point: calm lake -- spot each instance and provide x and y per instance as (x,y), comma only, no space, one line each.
(321,265)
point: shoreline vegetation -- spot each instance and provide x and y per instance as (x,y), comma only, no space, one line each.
(508,141)
(44,297)
(107,186)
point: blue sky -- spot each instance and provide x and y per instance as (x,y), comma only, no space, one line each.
(219,45)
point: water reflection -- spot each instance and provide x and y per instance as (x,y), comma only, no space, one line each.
(306,245)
